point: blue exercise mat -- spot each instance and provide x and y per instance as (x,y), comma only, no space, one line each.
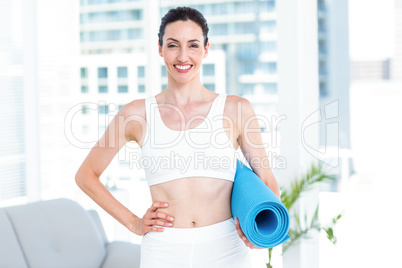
(263,218)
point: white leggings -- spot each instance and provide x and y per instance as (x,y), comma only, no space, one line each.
(217,245)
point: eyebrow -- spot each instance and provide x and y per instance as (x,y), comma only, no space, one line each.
(189,41)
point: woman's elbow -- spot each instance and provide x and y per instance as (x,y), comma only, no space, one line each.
(79,178)
(85,178)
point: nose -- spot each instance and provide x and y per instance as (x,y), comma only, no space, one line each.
(182,57)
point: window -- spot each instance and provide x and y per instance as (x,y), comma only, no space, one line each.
(208,70)
(17,186)
(268,47)
(322,47)
(102,89)
(122,72)
(323,89)
(245,28)
(247,50)
(247,89)
(322,67)
(83,18)
(269,67)
(84,109)
(244,7)
(321,26)
(84,89)
(84,73)
(271,88)
(122,89)
(135,14)
(246,67)
(112,16)
(113,35)
(103,109)
(321,5)
(141,88)
(267,6)
(83,37)
(141,71)
(102,72)
(133,34)
(268,27)
(163,71)
(96,36)
(219,9)
(210,87)
(219,29)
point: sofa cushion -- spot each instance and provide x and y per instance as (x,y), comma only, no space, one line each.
(57,233)
(122,254)
(10,252)
(95,217)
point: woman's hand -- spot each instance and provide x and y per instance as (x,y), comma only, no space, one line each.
(151,218)
(242,236)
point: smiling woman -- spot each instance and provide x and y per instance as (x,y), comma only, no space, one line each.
(183,48)
(190,223)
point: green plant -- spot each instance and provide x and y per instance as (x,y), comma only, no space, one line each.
(289,197)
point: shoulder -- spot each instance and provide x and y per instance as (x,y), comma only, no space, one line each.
(239,110)
(136,106)
(133,108)
(133,117)
(235,104)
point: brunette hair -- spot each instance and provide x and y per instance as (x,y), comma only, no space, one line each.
(183,14)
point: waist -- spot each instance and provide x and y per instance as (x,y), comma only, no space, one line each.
(196,201)
(197,234)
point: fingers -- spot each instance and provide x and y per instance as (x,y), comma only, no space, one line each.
(153,217)
(154,229)
(157,205)
(158,222)
(239,231)
(242,236)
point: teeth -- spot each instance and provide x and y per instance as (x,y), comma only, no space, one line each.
(184,67)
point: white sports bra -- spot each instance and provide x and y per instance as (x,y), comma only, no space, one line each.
(203,151)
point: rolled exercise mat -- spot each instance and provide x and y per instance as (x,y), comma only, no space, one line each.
(263,218)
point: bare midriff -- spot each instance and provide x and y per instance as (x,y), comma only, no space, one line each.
(195,201)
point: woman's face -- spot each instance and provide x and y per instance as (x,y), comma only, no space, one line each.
(183,50)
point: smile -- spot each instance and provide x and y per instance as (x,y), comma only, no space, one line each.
(182,67)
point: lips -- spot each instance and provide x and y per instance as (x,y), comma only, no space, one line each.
(183,68)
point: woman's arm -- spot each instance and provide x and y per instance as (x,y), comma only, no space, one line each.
(251,144)
(127,125)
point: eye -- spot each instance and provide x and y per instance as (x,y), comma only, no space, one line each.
(171,45)
(194,46)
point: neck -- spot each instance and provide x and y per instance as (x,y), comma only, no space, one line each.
(182,94)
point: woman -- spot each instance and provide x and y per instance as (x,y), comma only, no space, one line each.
(189,223)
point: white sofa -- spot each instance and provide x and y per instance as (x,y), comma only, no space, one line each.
(59,233)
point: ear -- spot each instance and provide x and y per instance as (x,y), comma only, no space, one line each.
(206,49)
(160,49)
